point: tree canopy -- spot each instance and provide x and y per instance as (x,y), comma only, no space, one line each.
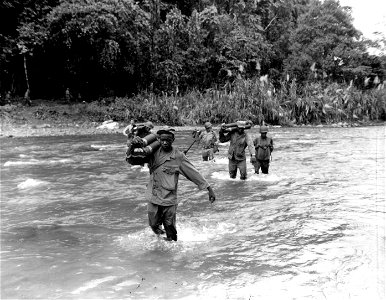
(122,47)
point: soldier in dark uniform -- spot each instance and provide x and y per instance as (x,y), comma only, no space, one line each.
(239,140)
(263,147)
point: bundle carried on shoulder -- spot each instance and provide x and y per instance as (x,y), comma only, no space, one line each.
(239,124)
(139,148)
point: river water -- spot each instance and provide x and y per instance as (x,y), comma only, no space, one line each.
(74,221)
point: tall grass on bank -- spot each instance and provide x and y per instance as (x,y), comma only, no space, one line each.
(252,100)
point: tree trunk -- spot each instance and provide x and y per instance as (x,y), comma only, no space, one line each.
(25,70)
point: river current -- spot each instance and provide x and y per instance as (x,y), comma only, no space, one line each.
(74,221)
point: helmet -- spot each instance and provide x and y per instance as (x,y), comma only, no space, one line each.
(208,125)
(263,129)
(149,124)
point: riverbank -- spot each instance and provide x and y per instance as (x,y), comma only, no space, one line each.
(56,120)
(63,119)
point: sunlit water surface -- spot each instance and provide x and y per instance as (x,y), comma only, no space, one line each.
(74,222)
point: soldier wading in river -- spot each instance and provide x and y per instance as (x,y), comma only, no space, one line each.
(239,140)
(263,147)
(165,165)
(208,139)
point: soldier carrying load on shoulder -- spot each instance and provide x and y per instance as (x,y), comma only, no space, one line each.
(239,140)
(165,163)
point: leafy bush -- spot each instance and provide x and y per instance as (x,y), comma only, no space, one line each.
(255,100)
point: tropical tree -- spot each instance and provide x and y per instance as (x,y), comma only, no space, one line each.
(323,43)
(22,19)
(98,48)
(93,44)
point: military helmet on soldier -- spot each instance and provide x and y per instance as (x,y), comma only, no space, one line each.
(207,125)
(263,129)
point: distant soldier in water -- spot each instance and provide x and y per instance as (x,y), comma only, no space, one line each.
(239,140)
(263,147)
(165,165)
(129,130)
(208,140)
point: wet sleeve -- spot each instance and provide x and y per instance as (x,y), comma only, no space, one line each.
(250,144)
(190,172)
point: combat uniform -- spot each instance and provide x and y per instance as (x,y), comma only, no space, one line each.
(236,152)
(208,141)
(165,169)
(263,147)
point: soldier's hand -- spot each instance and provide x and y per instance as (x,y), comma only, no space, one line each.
(222,127)
(195,133)
(137,140)
(212,196)
(253,159)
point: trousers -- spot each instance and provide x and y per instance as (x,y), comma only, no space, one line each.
(207,154)
(263,164)
(238,164)
(163,215)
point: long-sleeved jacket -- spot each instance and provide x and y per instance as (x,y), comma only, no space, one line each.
(165,169)
(263,148)
(207,139)
(238,143)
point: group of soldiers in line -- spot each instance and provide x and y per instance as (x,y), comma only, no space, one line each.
(166,163)
(259,148)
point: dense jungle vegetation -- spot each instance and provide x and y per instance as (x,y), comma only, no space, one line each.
(190,61)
